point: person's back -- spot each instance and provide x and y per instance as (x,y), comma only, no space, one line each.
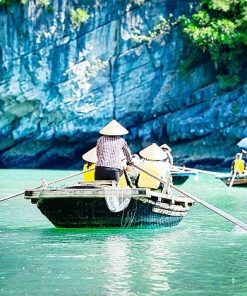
(111,149)
(159,169)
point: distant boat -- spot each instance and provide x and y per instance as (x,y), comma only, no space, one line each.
(87,205)
(179,177)
(240,180)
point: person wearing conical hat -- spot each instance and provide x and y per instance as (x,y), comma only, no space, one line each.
(111,149)
(154,163)
(90,158)
(167,150)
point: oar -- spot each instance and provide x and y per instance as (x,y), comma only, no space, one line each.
(49,183)
(196,170)
(232,179)
(202,202)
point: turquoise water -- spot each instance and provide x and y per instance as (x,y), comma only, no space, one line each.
(203,255)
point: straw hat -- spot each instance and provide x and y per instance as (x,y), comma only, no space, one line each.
(165,146)
(90,156)
(114,128)
(153,152)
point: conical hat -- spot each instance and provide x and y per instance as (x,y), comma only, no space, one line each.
(114,128)
(153,152)
(90,156)
(166,147)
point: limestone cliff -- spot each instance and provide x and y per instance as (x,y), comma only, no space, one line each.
(60,84)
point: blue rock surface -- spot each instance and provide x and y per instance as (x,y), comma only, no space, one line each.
(60,84)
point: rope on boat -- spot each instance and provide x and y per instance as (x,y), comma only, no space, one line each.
(48,183)
(200,201)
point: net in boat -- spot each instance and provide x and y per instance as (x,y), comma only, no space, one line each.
(117,199)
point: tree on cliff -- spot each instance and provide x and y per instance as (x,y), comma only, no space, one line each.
(219,28)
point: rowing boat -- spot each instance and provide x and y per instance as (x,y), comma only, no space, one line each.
(103,204)
(239,180)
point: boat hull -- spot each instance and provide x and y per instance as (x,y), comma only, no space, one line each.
(236,183)
(179,180)
(93,212)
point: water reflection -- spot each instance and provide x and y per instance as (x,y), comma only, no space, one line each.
(158,261)
(117,250)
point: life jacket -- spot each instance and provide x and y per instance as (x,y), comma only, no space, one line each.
(238,166)
(89,176)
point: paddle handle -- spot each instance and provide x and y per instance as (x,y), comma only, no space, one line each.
(196,170)
(49,183)
(232,179)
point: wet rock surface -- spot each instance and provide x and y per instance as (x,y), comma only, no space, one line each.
(59,85)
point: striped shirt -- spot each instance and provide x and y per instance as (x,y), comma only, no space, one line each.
(111,150)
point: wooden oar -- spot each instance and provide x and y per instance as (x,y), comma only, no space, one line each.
(196,170)
(48,183)
(232,179)
(202,202)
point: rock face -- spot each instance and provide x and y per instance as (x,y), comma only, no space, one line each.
(60,84)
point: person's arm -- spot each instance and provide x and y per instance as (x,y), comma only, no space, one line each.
(98,147)
(127,153)
(170,158)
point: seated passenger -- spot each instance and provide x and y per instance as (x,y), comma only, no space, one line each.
(154,163)
(168,150)
(91,158)
(238,165)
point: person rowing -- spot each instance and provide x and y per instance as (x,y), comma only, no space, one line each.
(111,148)
(238,165)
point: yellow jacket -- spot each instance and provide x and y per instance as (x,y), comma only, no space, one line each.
(89,176)
(238,165)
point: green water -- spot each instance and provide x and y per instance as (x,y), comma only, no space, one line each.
(203,255)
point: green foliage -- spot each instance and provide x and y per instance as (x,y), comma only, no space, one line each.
(5,2)
(228,82)
(235,107)
(219,27)
(193,57)
(78,16)
(162,28)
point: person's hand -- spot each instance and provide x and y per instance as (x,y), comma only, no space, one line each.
(130,162)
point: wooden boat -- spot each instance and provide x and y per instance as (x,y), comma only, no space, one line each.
(84,205)
(180,177)
(238,181)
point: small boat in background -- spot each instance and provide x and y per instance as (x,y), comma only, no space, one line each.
(103,204)
(240,180)
(179,177)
